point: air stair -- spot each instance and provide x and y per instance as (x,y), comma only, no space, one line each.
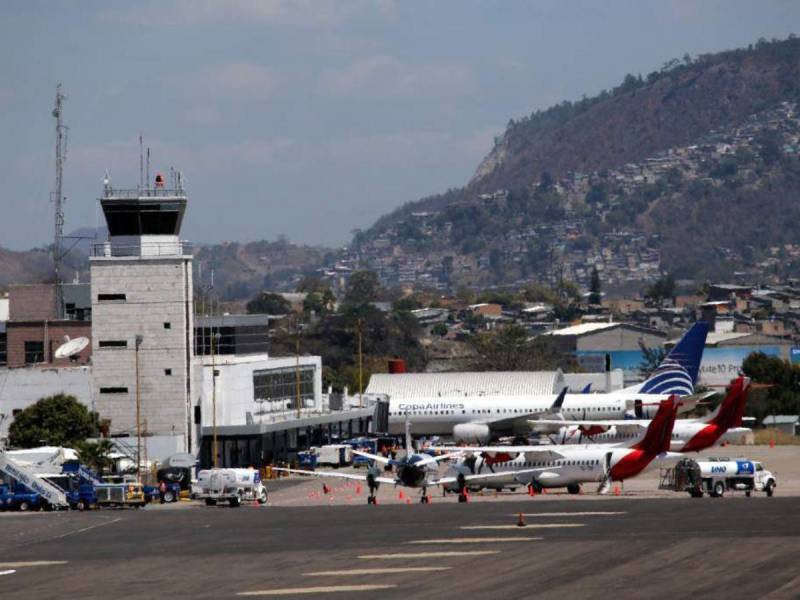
(24,475)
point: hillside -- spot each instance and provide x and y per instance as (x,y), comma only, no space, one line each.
(691,169)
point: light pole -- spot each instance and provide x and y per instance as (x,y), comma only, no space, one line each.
(137,344)
(360,366)
(214,337)
(297,369)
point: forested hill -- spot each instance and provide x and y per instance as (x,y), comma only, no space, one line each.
(716,132)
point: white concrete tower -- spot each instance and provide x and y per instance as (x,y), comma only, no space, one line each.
(142,296)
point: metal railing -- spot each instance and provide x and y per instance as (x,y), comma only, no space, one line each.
(145,249)
(110,193)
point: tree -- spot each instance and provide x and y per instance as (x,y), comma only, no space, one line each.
(594,288)
(439,329)
(782,396)
(363,287)
(510,348)
(651,358)
(95,455)
(58,420)
(662,289)
(268,303)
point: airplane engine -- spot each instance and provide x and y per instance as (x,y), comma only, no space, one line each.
(471,433)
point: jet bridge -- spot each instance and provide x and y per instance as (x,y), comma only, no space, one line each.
(27,477)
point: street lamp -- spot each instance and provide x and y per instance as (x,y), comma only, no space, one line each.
(138,343)
(214,337)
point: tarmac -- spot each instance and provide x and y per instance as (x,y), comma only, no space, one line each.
(612,547)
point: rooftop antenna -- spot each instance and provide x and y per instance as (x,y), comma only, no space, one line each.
(141,164)
(58,195)
(147,172)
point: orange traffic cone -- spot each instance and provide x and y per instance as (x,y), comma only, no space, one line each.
(531,490)
(617,491)
(772,442)
(358,490)
(521,521)
(400,495)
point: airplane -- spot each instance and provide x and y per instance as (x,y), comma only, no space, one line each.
(569,466)
(415,470)
(478,419)
(688,435)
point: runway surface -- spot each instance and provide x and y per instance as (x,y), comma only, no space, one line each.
(722,548)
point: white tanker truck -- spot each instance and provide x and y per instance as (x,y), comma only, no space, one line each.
(229,485)
(715,476)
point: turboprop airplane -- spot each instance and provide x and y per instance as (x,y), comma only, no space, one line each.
(478,419)
(568,466)
(415,470)
(688,435)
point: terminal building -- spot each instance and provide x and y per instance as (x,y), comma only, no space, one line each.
(188,378)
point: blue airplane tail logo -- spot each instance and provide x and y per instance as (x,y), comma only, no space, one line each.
(677,373)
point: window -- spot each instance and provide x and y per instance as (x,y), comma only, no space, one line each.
(113,344)
(281,385)
(3,355)
(111,297)
(167,325)
(34,352)
(113,390)
(167,371)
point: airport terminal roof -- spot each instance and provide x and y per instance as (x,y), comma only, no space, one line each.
(496,383)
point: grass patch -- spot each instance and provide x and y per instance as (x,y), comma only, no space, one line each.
(763,437)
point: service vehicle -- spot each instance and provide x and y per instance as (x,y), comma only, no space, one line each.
(18,497)
(715,476)
(233,486)
(335,455)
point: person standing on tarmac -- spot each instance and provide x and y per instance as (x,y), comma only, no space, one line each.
(162,489)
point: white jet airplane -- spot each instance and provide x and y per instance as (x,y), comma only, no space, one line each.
(568,466)
(688,435)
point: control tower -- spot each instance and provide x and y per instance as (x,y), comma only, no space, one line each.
(142,318)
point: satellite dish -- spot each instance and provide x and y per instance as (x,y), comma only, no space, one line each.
(72,347)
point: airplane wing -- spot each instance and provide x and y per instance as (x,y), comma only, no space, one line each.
(434,459)
(389,480)
(479,476)
(376,457)
(622,425)
(543,452)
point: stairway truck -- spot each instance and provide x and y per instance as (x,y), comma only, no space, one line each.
(715,476)
(233,486)
(18,497)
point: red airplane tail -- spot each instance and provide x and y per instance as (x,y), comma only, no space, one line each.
(737,419)
(731,409)
(657,437)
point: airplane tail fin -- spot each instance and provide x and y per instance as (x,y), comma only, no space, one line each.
(725,414)
(657,437)
(677,373)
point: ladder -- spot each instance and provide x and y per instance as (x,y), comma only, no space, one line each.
(24,475)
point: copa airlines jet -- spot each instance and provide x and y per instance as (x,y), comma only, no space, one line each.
(688,435)
(418,471)
(568,466)
(479,419)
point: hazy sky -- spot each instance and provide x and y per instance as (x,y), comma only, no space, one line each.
(310,117)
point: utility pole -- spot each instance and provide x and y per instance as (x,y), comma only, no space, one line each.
(359,330)
(214,337)
(58,196)
(297,368)
(138,343)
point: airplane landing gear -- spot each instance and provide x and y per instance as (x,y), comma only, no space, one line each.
(425,499)
(372,499)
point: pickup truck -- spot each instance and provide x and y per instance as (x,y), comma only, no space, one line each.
(19,498)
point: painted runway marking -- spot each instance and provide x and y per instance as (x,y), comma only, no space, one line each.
(328,589)
(515,526)
(9,572)
(476,540)
(442,554)
(572,514)
(31,563)
(63,535)
(376,571)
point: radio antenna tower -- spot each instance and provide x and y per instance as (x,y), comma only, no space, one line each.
(58,195)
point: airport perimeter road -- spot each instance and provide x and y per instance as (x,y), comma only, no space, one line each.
(722,548)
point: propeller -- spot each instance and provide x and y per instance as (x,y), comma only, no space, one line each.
(605,483)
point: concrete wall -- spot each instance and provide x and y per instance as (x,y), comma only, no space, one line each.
(20,388)
(158,291)
(3,309)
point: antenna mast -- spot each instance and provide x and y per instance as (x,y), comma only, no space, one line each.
(58,195)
